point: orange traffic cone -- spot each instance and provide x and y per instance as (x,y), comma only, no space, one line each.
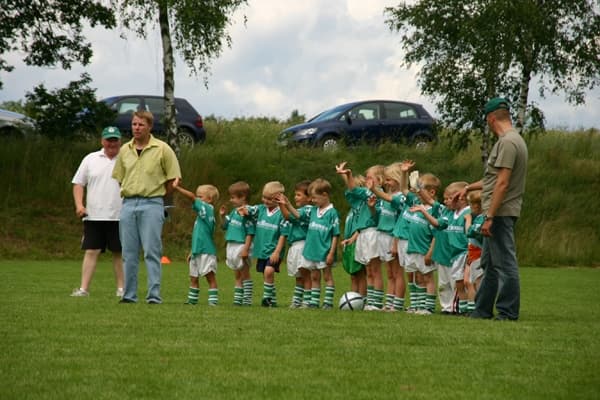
(165,260)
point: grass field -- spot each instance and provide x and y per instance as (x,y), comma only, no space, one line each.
(58,347)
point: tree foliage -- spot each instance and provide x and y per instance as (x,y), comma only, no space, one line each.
(49,32)
(196,29)
(471,50)
(68,112)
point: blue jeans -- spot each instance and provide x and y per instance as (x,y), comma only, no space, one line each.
(140,227)
(500,283)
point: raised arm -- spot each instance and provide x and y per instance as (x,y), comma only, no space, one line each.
(421,208)
(183,191)
(346,174)
(286,207)
(377,191)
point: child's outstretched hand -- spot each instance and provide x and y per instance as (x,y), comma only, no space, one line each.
(282,199)
(243,211)
(342,169)
(222,210)
(407,165)
(417,207)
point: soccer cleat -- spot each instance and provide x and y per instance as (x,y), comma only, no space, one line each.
(120,292)
(327,307)
(267,302)
(80,293)
(423,312)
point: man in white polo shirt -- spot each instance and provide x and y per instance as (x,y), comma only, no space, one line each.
(100,210)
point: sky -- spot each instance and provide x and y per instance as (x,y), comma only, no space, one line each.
(307,55)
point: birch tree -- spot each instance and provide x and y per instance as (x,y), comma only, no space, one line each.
(196,29)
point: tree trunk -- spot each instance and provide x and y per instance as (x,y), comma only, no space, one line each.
(170,122)
(523,95)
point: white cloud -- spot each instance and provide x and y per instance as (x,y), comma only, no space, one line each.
(306,55)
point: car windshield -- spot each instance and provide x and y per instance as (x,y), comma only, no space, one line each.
(329,114)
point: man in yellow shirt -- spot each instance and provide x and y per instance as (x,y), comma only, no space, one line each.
(145,169)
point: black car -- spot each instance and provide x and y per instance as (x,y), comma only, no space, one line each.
(372,121)
(191,126)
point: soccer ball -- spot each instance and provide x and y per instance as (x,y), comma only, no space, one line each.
(351,301)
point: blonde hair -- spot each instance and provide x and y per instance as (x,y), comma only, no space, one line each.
(240,189)
(272,188)
(378,171)
(474,197)
(320,186)
(211,191)
(394,172)
(146,116)
(430,181)
(455,187)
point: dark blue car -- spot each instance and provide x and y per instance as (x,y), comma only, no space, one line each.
(189,122)
(372,121)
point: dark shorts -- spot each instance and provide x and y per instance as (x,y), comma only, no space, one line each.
(101,235)
(262,263)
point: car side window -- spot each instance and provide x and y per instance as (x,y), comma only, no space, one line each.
(155,106)
(129,106)
(399,111)
(368,111)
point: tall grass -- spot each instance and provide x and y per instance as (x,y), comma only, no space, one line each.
(559,224)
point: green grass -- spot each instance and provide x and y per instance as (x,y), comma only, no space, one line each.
(58,347)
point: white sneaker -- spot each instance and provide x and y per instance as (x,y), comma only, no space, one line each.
(423,312)
(79,293)
(120,292)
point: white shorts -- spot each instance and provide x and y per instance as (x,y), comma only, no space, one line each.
(402,256)
(476,270)
(385,241)
(295,261)
(366,246)
(233,259)
(203,264)
(457,269)
(416,263)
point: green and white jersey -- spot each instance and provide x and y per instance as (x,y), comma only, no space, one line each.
(204,228)
(299,226)
(323,226)
(357,198)
(474,234)
(442,252)
(349,224)
(420,232)
(402,203)
(457,236)
(269,226)
(388,214)
(237,227)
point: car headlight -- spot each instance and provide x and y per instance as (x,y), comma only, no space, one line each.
(306,132)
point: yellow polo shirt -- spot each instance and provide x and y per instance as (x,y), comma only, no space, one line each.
(145,175)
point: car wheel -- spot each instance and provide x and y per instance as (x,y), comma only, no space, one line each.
(185,137)
(421,142)
(330,143)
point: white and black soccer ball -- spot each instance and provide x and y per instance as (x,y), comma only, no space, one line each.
(351,301)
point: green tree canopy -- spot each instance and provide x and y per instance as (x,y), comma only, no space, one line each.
(49,32)
(471,50)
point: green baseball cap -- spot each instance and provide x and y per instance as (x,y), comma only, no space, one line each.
(111,132)
(496,103)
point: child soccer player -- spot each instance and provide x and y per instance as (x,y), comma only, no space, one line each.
(296,264)
(238,235)
(358,274)
(366,251)
(321,240)
(393,237)
(203,258)
(419,247)
(269,238)
(473,271)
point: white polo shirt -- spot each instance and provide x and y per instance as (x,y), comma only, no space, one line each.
(103,199)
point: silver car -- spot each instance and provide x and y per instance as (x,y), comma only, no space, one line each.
(15,124)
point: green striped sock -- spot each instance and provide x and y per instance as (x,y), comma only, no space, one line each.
(389,300)
(267,290)
(370,290)
(398,303)
(315,298)
(463,306)
(193,294)
(329,292)
(307,297)
(378,298)
(430,302)
(471,306)
(238,296)
(421,293)
(298,295)
(213,297)
(248,286)
(412,288)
